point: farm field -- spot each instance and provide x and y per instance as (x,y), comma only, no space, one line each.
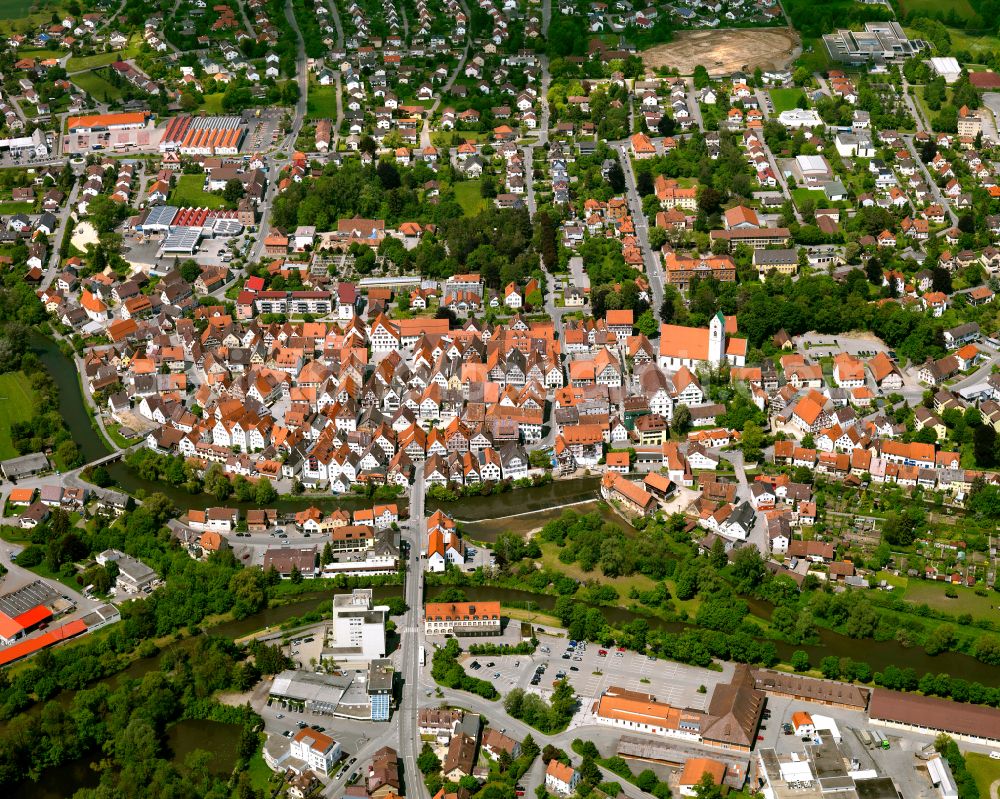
(188,193)
(785,99)
(16,403)
(725,51)
(467,195)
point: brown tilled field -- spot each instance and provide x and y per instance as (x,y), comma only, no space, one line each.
(725,51)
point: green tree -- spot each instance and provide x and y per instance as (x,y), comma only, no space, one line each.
(563,701)
(800,660)
(830,666)
(752,441)
(427,761)
(707,789)
(681,421)
(233,192)
(264,492)
(249,592)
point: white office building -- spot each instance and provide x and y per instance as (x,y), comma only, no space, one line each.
(357,631)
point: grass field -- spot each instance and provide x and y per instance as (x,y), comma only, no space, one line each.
(440,138)
(932,593)
(467,196)
(16,208)
(960,7)
(801,195)
(16,402)
(960,40)
(96,86)
(189,193)
(213,103)
(101,59)
(22,15)
(785,99)
(321,102)
(40,53)
(983,770)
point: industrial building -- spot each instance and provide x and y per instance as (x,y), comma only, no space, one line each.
(131,120)
(877,44)
(189,135)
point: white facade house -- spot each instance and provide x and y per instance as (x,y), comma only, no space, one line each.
(560,778)
(319,751)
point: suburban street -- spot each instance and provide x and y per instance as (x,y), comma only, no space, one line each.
(653,265)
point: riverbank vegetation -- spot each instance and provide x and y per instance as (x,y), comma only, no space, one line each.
(29,411)
(744,612)
(125,729)
(192,591)
(173,469)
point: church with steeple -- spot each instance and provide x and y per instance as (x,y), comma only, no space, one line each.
(695,347)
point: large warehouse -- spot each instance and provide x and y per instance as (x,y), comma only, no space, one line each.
(204,135)
(99,122)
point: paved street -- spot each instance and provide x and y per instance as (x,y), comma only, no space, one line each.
(652,261)
(936,193)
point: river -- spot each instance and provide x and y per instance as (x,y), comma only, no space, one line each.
(522,524)
(521,500)
(877,654)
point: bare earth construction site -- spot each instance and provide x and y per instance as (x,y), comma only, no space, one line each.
(725,51)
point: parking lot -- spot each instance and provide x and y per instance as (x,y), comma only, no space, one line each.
(307,647)
(351,734)
(591,673)
(898,761)
(862,345)
(136,140)
(210,252)
(264,131)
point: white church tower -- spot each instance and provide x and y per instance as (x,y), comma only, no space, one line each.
(717,339)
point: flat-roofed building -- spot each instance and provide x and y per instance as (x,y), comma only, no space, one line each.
(380,681)
(312,691)
(357,630)
(878,43)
